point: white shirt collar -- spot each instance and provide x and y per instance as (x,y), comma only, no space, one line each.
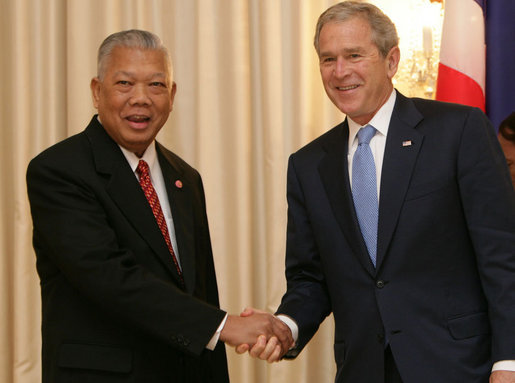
(149,157)
(380,121)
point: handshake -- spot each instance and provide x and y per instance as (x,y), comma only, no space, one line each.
(260,333)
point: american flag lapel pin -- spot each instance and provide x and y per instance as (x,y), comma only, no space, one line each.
(406,143)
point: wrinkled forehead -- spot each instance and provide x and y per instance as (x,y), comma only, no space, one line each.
(125,56)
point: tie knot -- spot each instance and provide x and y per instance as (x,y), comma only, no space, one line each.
(142,168)
(365,134)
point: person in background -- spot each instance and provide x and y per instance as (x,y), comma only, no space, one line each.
(121,236)
(506,138)
(401,222)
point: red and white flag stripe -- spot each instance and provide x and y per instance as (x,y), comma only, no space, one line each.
(461,71)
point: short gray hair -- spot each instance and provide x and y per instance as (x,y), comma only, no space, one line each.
(132,38)
(384,34)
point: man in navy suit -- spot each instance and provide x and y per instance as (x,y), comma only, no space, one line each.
(121,236)
(431,297)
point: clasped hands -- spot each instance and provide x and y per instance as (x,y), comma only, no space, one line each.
(260,333)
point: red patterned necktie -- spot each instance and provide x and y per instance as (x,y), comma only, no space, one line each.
(153,200)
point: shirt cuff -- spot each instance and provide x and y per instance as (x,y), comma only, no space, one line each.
(294,328)
(214,340)
(504,365)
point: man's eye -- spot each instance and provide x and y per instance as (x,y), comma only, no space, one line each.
(123,82)
(355,56)
(328,59)
(157,83)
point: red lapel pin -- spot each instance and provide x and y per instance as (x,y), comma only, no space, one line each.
(178,184)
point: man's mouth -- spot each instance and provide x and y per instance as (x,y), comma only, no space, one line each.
(349,87)
(138,118)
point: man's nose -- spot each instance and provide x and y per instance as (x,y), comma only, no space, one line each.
(140,95)
(341,68)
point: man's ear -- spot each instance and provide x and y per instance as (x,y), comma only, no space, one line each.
(95,91)
(392,61)
(173,90)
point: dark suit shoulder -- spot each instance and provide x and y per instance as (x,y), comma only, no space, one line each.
(445,110)
(430,116)
(81,156)
(64,149)
(70,149)
(64,157)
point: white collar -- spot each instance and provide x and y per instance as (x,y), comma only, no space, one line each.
(149,157)
(380,121)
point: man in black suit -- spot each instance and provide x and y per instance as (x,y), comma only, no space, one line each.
(121,236)
(420,276)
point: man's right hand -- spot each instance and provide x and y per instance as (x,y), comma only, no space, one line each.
(259,332)
(270,349)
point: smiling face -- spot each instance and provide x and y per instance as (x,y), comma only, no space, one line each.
(135,96)
(356,77)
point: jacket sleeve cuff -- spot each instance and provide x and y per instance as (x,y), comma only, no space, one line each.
(294,328)
(214,340)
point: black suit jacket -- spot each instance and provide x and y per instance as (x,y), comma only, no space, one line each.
(113,308)
(443,293)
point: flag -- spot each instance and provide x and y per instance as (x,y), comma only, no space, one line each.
(461,70)
(500,59)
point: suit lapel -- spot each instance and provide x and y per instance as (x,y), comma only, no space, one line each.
(403,144)
(334,173)
(124,189)
(179,195)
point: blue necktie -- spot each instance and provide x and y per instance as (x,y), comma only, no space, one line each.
(364,190)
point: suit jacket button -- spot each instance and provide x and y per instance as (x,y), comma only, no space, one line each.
(380,284)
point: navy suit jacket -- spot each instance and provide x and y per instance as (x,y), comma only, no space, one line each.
(443,293)
(113,308)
